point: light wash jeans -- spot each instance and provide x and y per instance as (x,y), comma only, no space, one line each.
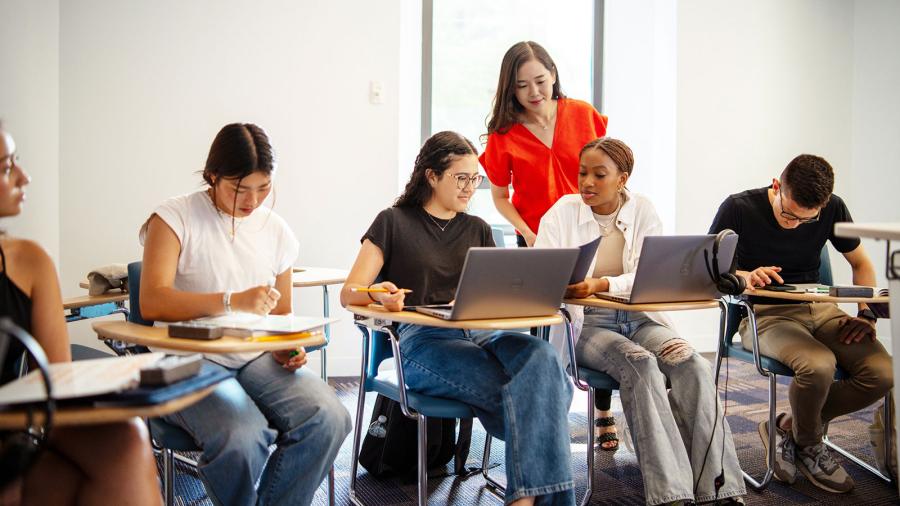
(518,389)
(671,433)
(265,404)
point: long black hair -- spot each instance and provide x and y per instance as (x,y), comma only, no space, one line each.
(438,152)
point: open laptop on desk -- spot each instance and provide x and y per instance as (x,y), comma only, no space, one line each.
(673,269)
(509,283)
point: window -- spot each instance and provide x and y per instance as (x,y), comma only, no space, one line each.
(468,39)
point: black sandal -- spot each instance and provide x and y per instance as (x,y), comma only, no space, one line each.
(607,437)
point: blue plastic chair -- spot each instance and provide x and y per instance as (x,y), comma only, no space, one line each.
(735,310)
(378,347)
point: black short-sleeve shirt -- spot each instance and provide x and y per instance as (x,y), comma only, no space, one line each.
(763,242)
(425,253)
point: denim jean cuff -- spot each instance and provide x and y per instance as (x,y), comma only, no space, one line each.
(723,494)
(537,491)
(686,496)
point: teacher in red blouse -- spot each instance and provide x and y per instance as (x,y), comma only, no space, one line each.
(534,136)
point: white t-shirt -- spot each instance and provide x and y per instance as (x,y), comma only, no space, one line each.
(262,247)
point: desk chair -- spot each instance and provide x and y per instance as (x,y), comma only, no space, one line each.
(169,438)
(378,347)
(735,309)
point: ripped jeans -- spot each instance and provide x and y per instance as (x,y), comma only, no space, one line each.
(671,432)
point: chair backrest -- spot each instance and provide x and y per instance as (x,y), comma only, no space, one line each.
(735,312)
(379,351)
(134,294)
(497,233)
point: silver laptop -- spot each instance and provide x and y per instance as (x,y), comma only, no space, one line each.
(509,283)
(673,269)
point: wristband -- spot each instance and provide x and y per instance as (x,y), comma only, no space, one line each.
(226,301)
(370,294)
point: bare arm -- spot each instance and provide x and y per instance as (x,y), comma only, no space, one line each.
(500,194)
(863,270)
(365,269)
(48,322)
(161,301)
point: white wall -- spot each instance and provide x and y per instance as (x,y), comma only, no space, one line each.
(145,86)
(29,106)
(758,83)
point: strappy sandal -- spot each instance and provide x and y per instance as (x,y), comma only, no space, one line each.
(607,437)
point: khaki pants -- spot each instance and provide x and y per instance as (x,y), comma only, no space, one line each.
(805,337)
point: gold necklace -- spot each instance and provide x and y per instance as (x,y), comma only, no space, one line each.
(438,225)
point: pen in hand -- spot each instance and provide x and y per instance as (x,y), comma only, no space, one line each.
(379,290)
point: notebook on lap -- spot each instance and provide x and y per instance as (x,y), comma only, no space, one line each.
(509,283)
(673,269)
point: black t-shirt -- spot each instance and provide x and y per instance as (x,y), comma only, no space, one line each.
(420,256)
(762,241)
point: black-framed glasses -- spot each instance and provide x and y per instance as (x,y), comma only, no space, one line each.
(789,216)
(463,180)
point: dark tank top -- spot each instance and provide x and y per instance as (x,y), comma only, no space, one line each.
(17,306)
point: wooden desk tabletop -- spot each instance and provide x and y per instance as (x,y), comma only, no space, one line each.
(868,230)
(93,415)
(812,297)
(660,306)
(93,300)
(318,276)
(380,313)
(158,337)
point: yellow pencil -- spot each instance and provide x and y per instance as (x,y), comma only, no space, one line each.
(379,290)
(283,337)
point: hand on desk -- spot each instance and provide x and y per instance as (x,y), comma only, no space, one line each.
(586,288)
(761,276)
(290,359)
(259,300)
(392,300)
(853,330)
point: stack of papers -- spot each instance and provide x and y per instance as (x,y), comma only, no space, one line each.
(253,325)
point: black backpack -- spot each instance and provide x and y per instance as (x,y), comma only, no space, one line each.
(389,448)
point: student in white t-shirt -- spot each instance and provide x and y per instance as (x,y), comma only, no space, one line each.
(220,250)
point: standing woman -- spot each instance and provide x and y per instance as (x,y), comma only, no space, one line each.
(514,382)
(682,445)
(93,464)
(534,136)
(220,250)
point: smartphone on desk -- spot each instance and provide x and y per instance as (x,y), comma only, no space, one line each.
(780,288)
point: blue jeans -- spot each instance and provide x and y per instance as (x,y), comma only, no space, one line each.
(262,405)
(671,432)
(519,391)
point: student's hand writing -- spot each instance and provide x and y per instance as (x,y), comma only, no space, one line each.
(761,276)
(392,300)
(853,330)
(259,299)
(290,359)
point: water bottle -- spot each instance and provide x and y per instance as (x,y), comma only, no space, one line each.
(377,428)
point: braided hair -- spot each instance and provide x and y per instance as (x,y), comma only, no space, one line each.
(438,152)
(617,150)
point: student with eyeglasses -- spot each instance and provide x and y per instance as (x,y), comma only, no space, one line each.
(513,381)
(782,229)
(534,135)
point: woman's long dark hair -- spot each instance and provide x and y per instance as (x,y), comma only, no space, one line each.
(438,152)
(506,108)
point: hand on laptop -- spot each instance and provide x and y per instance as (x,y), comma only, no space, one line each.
(761,276)
(392,300)
(586,288)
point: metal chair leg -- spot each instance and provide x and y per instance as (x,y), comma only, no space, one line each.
(589,490)
(493,486)
(357,430)
(423,459)
(888,424)
(169,476)
(770,457)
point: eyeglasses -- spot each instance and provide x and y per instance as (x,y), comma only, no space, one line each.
(462,181)
(789,216)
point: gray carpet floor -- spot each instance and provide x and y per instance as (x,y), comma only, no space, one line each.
(618,477)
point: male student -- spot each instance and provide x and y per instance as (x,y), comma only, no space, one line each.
(782,230)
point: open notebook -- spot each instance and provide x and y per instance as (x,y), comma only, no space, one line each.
(253,325)
(84,378)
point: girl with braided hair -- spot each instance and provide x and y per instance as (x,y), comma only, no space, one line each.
(514,382)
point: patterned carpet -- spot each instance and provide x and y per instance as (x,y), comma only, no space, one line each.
(618,477)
